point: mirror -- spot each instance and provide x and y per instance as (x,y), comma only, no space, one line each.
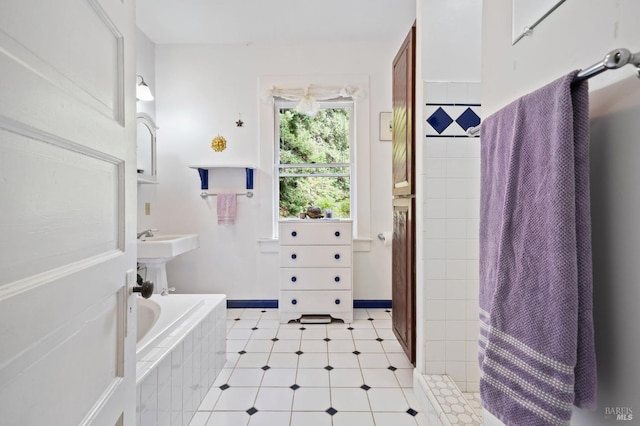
(529,13)
(146,148)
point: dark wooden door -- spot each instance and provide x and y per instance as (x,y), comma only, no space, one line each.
(403,142)
(403,248)
(403,276)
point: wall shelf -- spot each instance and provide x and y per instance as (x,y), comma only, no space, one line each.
(203,171)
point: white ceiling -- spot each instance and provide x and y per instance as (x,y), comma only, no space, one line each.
(274,21)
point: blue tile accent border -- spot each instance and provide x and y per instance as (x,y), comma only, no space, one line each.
(273,303)
(465,105)
(451,136)
(451,119)
(440,120)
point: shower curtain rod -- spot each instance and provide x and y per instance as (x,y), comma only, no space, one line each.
(613,60)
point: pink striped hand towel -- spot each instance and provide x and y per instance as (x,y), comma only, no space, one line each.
(227,208)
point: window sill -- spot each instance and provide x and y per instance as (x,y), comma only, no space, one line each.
(272,245)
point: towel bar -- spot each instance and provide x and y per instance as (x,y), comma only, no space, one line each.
(615,59)
(203,194)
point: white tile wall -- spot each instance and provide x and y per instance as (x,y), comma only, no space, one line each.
(174,378)
(451,204)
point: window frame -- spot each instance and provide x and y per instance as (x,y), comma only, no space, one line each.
(347,104)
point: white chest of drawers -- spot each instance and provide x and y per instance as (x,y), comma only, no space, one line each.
(315,269)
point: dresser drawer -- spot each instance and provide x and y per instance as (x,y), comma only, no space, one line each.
(315,233)
(315,278)
(315,302)
(315,256)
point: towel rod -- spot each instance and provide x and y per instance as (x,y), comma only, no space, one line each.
(615,59)
(203,194)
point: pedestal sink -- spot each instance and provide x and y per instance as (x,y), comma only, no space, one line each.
(154,252)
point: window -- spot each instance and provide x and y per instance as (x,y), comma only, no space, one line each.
(314,159)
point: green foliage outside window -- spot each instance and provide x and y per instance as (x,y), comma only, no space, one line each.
(305,140)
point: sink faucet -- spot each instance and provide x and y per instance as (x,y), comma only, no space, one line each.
(146,233)
(165,291)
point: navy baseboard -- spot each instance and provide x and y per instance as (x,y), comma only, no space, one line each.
(252,303)
(273,303)
(372,304)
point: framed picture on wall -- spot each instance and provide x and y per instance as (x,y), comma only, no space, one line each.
(386,125)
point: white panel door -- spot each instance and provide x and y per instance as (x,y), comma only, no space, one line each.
(67,212)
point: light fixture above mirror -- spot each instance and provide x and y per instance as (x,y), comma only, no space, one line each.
(143,93)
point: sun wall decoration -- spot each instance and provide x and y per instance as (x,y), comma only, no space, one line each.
(219,143)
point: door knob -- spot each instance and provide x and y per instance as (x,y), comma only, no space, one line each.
(145,289)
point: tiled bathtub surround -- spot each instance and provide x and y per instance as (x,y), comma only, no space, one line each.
(175,374)
(444,404)
(451,181)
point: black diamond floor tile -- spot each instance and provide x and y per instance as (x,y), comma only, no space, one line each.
(331,411)
(266,367)
(294,386)
(224,387)
(392,368)
(328,368)
(251,411)
(299,352)
(242,352)
(412,412)
(365,387)
(275,339)
(356,352)
(380,340)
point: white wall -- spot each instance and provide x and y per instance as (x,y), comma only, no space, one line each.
(201,90)
(448,192)
(577,35)
(146,67)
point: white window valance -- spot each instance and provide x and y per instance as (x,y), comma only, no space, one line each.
(308,97)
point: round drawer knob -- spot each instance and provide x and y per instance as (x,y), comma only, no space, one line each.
(337,301)
(294,256)
(337,279)
(337,233)
(294,279)
(294,234)
(336,256)
(294,302)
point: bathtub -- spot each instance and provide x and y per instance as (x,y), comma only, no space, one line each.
(180,350)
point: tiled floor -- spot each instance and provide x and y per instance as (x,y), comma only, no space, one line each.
(311,374)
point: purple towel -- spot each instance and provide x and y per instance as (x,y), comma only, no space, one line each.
(537,356)
(227,207)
